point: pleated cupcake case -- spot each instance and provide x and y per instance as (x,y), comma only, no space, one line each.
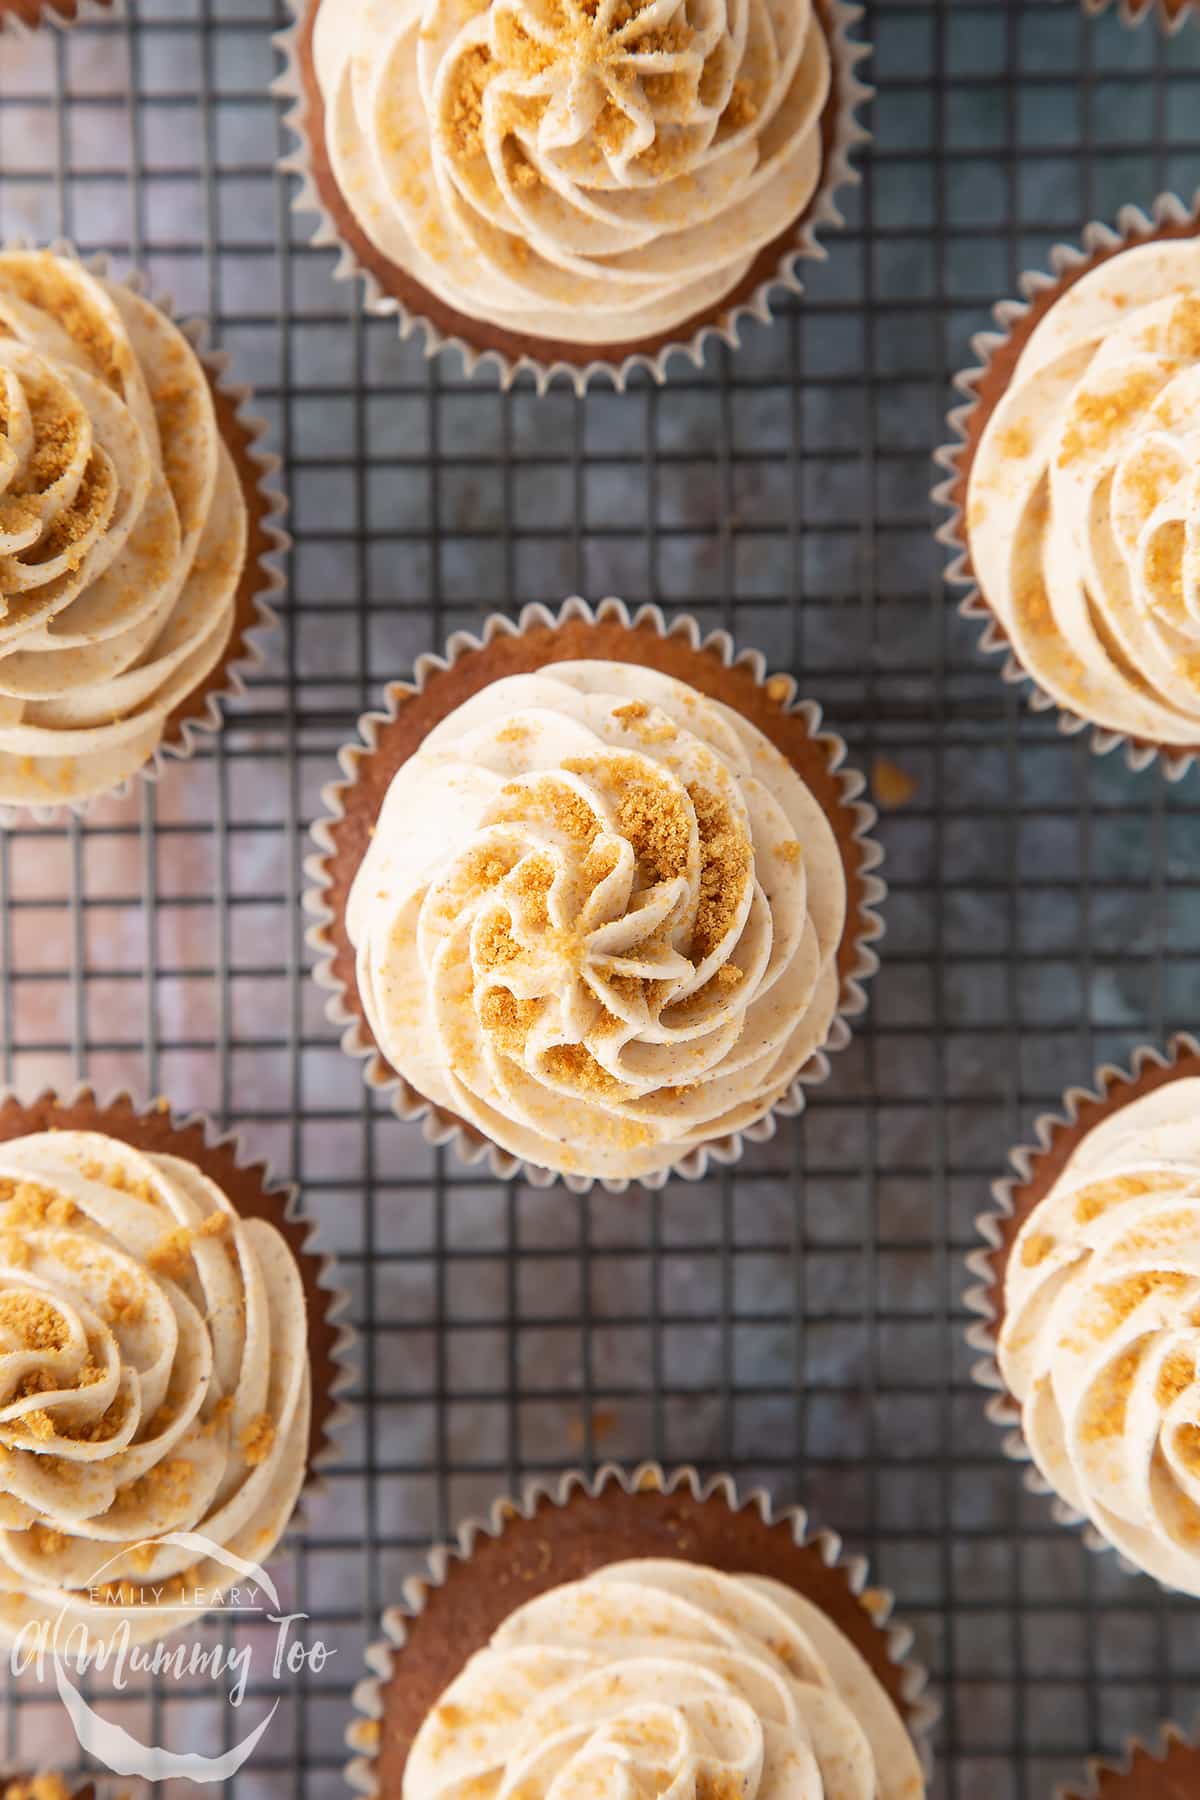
(254,1193)
(1035,1167)
(513,1514)
(984,385)
(333,970)
(197,715)
(475,341)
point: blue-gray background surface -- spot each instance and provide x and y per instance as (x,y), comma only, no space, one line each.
(799,1321)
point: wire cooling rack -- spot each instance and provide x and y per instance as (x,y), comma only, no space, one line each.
(798,1321)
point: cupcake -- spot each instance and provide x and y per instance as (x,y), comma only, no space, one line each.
(167,1366)
(593,895)
(1172,1773)
(572,184)
(1075,493)
(648,1632)
(132,527)
(1091,1297)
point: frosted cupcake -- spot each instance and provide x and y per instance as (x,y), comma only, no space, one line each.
(601,916)
(1093,1312)
(131,526)
(572,182)
(651,1633)
(1077,493)
(160,1325)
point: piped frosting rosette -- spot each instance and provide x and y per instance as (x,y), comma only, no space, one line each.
(123,528)
(1083,509)
(599,919)
(154,1381)
(657,1677)
(579,171)
(1100,1343)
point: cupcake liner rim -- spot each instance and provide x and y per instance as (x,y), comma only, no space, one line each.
(1001,1407)
(54,13)
(1167,1737)
(1138,12)
(288,1194)
(822,212)
(362,1734)
(1132,224)
(440,1128)
(189,733)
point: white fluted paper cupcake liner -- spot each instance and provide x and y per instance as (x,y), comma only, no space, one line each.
(822,213)
(191,732)
(87,12)
(287,1197)
(363,1733)
(1002,1409)
(1103,1776)
(442,1128)
(1132,224)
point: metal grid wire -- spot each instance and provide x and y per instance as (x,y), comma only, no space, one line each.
(797,1321)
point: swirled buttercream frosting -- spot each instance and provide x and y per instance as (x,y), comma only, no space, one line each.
(154,1386)
(593,171)
(122,529)
(654,1677)
(599,919)
(1101,1335)
(1083,504)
